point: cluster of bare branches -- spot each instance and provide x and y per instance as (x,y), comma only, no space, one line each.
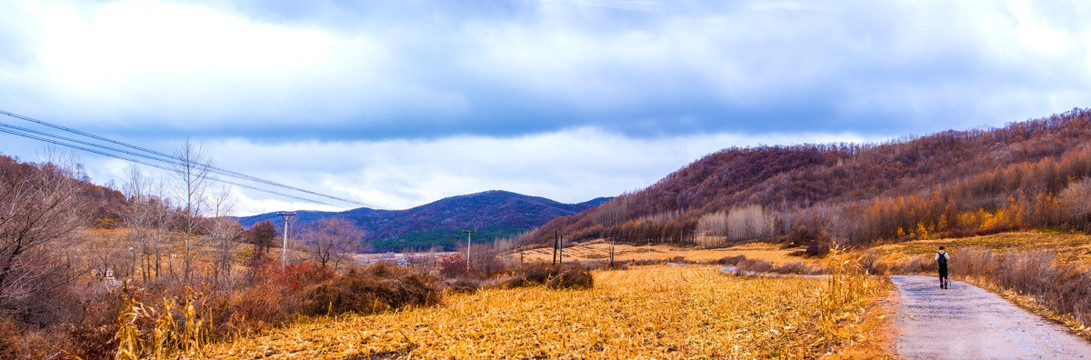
(40,213)
(331,241)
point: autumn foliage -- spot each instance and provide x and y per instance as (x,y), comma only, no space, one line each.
(954,183)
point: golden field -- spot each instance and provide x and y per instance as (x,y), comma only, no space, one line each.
(663,311)
(599,250)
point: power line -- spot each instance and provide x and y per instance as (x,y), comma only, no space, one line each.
(168,156)
(174,161)
(149,154)
(162,167)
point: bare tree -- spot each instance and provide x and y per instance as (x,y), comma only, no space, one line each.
(40,211)
(107,255)
(712,229)
(613,212)
(750,222)
(163,217)
(264,234)
(1076,199)
(192,169)
(223,233)
(139,216)
(332,240)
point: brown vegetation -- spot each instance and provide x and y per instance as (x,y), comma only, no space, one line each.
(955,183)
(377,288)
(1047,272)
(669,312)
(1060,286)
(330,241)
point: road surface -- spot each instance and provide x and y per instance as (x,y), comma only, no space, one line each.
(967,322)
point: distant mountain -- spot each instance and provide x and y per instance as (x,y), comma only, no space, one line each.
(1035,173)
(492,214)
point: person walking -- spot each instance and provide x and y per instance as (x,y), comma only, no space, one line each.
(941,261)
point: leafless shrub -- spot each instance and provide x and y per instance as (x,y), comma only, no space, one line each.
(574,277)
(641,262)
(568,276)
(1062,287)
(466,285)
(795,267)
(731,260)
(453,266)
(377,288)
(916,265)
(869,261)
(758,266)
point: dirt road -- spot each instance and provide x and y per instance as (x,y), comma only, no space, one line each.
(967,322)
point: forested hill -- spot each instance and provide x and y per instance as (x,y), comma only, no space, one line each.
(493,214)
(102,205)
(1028,174)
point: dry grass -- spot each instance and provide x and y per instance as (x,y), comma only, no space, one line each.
(1069,247)
(647,312)
(1046,272)
(599,250)
(1058,290)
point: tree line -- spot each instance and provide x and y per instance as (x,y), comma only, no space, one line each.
(953,183)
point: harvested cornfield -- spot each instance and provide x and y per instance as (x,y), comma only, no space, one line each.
(655,311)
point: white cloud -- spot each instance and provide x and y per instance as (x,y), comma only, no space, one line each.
(568,166)
(383,70)
(141,64)
(400,103)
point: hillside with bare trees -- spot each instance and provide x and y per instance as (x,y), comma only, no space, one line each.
(1035,173)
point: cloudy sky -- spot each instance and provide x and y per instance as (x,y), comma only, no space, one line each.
(399,103)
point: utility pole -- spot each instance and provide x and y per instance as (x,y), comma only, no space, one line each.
(560,253)
(469,234)
(556,244)
(284,250)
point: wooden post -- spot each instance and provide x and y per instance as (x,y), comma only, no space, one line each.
(560,253)
(556,241)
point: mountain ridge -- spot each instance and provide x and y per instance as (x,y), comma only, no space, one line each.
(1026,174)
(494,214)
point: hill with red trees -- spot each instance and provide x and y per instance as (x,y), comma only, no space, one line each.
(1035,173)
(104,204)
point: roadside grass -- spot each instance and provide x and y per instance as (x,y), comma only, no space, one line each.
(658,311)
(1057,290)
(1045,272)
(1068,247)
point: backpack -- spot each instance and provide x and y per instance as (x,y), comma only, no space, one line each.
(942,260)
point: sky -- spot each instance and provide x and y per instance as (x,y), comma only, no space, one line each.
(395,104)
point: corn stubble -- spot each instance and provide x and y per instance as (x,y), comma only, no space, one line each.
(647,312)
